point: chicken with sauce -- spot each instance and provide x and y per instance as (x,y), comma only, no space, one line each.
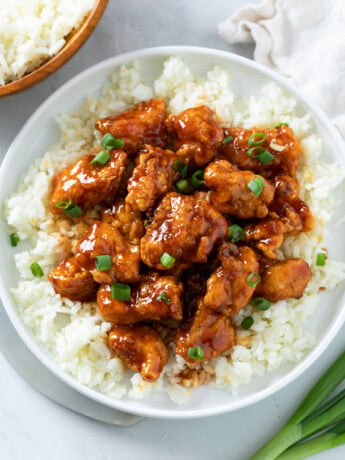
(187,253)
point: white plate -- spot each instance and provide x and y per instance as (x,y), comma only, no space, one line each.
(40,132)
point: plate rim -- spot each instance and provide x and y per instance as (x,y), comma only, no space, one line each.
(119,404)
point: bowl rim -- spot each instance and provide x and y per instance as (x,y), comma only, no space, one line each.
(123,405)
(80,36)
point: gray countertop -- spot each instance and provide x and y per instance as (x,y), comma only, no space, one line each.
(31,426)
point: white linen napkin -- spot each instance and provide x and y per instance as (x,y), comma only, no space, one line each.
(303,40)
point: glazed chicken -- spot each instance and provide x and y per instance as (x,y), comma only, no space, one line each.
(154,298)
(283,280)
(141,348)
(237,192)
(182,233)
(279,142)
(152,178)
(288,215)
(85,184)
(197,135)
(227,288)
(213,332)
(144,124)
(183,227)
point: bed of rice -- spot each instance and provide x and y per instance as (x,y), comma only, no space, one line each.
(32,31)
(74,332)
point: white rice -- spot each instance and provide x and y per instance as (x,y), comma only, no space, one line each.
(74,332)
(32,31)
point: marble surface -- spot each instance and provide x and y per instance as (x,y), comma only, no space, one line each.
(31,426)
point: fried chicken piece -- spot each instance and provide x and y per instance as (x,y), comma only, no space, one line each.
(72,280)
(279,142)
(154,298)
(288,216)
(85,185)
(230,192)
(126,220)
(141,348)
(142,124)
(210,330)
(267,236)
(293,212)
(283,280)
(197,134)
(152,178)
(104,239)
(185,228)
(227,288)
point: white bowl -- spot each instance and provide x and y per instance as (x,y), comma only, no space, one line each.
(40,132)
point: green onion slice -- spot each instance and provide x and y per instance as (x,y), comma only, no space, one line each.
(182,185)
(247,323)
(103,262)
(321,259)
(120,291)
(227,139)
(260,303)
(197,178)
(163,297)
(235,234)
(180,167)
(281,124)
(14,239)
(253,279)
(167,260)
(110,142)
(256,185)
(257,139)
(71,210)
(36,270)
(196,353)
(101,158)
(260,154)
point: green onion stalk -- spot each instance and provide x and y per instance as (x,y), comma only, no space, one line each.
(310,418)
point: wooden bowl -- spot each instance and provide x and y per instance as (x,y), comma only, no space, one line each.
(73,42)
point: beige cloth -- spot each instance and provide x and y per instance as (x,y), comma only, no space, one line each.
(303,40)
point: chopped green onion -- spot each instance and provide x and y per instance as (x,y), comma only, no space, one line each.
(196,353)
(167,260)
(227,139)
(71,210)
(265,157)
(163,297)
(14,239)
(146,223)
(182,185)
(260,154)
(256,185)
(36,270)
(110,142)
(260,303)
(321,259)
(253,279)
(281,124)
(101,158)
(63,204)
(197,178)
(120,291)
(261,136)
(247,323)
(253,152)
(180,167)
(103,262)
(74,211)
(235,234)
